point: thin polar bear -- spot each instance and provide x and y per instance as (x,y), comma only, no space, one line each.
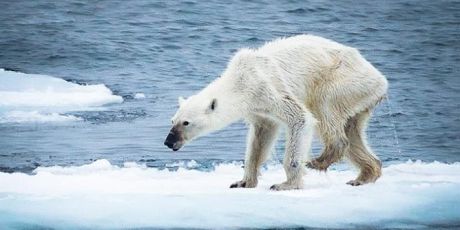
(304,83)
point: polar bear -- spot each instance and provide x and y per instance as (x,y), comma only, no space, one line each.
(304,83)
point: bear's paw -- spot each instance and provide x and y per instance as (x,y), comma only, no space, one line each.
(286,186)
(244,184)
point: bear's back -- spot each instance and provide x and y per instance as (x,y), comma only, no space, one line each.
(304,42)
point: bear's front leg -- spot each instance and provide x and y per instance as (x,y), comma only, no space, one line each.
(298,142)
(261,137)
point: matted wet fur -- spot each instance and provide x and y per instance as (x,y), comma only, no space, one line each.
(302,83)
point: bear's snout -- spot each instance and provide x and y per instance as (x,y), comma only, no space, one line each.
(172,141)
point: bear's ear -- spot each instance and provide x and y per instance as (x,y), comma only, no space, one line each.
(181,100)
(212,105)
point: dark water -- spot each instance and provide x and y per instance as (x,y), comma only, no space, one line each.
(168,49)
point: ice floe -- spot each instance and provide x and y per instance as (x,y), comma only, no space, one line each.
(102,195)
(42,98)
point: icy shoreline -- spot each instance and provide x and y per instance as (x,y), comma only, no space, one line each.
(101,195)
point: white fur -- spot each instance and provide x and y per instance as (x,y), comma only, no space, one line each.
(293,82)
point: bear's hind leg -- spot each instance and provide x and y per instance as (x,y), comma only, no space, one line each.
(335,141)
(261,138)
(359,153)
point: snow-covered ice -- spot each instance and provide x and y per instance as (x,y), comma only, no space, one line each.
(101,195)
(42,98)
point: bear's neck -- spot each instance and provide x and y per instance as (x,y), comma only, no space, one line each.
(230,104)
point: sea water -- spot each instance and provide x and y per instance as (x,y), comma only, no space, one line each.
(97,83)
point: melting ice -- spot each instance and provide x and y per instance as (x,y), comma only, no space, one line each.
(41,98)
(102,195)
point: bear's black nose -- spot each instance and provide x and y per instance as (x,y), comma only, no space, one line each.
(169,144)
(171,139)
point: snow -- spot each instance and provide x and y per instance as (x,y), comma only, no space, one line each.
(42,98)
(102,195)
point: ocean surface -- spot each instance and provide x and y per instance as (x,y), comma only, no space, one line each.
(82,81)
(168,49)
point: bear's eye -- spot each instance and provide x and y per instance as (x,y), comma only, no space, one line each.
(185,123)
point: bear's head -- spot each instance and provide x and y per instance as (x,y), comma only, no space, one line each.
(195,117)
